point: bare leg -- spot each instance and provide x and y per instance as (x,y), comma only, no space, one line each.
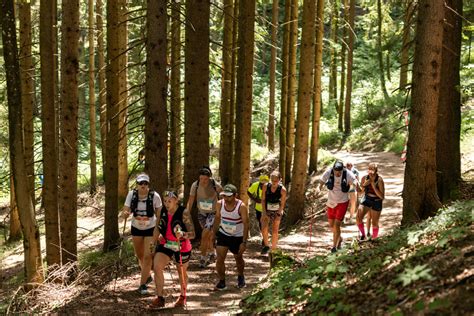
(239,260)
(147,259)
(265,223)
(183,277)
(275,228)
(220,262)
(161,260)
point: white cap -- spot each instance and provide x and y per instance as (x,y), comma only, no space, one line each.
(143,177)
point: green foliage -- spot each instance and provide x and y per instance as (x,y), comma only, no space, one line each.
(96,258)
(323,283)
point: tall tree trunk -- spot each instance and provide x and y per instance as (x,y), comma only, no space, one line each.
(196,93)
(225,169)
(271,111)
(31,241)
(92,116)
(448,152)
(350,57)
(244,96)
(292,92)
(176,166)
(284,87)
(305,92)
(233,84)
(101,79)
(345,42)
(406,42)
(333,56)
(156,123)
(380,51)
(49,125)
(27,75)
(123,103)
(111,172)
(318,70)
(15,225)
(420,196)
(69,129)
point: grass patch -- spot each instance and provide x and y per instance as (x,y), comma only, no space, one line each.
(388,272)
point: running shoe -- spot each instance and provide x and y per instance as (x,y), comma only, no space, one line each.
(241,281)
(143,289)
(181,302)
(362,238)
(265,250)
(158,302)
(333,249)
(220,285)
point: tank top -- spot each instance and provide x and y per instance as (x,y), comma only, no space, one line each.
(272,199)
(231,221)
(170,241)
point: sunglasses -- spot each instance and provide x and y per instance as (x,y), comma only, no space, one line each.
(142,183)
(170,194)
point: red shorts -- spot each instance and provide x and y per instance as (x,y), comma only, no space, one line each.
(338,212)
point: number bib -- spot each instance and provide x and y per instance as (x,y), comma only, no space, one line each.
(142,222)
(229,227)
(273,206)
(206,205)
(172,245)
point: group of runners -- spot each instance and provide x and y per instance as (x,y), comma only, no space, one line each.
(162,228)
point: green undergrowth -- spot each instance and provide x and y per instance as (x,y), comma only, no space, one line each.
(416,269)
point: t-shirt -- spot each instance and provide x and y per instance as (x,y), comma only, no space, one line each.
(254,189)
(336,195)
(140,219)
(206,197)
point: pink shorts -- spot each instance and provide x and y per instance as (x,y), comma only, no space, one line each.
(338,212)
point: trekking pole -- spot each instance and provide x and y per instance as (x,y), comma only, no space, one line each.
(183,278)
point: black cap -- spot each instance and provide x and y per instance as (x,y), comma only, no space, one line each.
(338,165)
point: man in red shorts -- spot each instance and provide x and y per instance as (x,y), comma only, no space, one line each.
(338,180)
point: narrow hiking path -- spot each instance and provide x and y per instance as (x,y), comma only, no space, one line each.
(103,294)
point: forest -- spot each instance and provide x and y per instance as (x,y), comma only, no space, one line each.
(94,93)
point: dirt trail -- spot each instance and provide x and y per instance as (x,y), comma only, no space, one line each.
(121,297)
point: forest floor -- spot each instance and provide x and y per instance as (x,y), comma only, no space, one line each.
(112,288)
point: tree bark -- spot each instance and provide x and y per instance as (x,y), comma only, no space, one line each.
(176,165)
(448,131)
(333,56)
(350,57)
(196,93)
(292,92)
(111,172)
(284,87)
(406,42)
(305,94)
(271,110)
(31,240)
(101,79)
(156,123)
(15,225)
(27,75)
(345,41)
(69,130)
(92,115)
(380,51)
(225,169)
(318,69)
(244,96)
(420,196)
(49,125)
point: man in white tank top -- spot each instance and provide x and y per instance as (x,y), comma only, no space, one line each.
(231,228)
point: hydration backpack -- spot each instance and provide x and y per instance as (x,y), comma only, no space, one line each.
(150,210)
(344,184)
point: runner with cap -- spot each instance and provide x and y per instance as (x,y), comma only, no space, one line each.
(205,191)
(255,194)
(338,181)
(231,227)
(145,205)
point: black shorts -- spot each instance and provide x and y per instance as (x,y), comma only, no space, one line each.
(273,215)
(185,256)
(231,242)
(372,203)
(143,233)
(258,214)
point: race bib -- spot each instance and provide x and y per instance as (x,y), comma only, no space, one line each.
(141,222)
(229,227)
(331,204)
(273,206)
(205,205)
(172,245)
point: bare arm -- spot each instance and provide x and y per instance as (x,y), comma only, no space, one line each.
(244,213)
(217,218)
(264,204)
(282,201)
(188,221)
(379,188)
(125,212)
(191,199)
